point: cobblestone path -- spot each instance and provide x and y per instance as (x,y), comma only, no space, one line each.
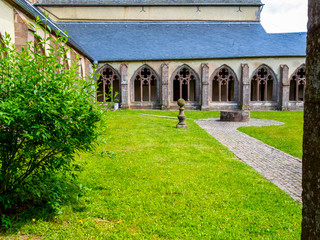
(278,167)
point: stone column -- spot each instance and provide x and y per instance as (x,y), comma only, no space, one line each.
(284,87)
(124,86)
(245,88)
(165,103)
(205,87)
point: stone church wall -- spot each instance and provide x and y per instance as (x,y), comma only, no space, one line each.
(6,19)
(16,22)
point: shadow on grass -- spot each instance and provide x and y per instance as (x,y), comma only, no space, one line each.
(30,211)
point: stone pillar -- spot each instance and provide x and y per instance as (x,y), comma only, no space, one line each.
(124,86)
(205,87)
(284,87)
(165,96)
(245,88)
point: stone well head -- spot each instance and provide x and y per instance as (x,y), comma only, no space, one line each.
(235,116)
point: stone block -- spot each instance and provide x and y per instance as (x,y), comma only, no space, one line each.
(235,116)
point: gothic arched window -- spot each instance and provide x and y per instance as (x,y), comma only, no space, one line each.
(184,84)
(297,84)
(108,85)
(145,85)
(262,84)
(223,85)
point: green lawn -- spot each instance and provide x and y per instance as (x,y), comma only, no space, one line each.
(168,183)
(287,137)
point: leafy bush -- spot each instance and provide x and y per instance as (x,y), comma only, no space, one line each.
(47,114)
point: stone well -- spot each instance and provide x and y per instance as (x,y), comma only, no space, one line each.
(235,116)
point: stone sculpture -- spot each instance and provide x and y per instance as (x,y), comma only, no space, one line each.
(182,124)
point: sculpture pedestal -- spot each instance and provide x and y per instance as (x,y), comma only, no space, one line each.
(235,116)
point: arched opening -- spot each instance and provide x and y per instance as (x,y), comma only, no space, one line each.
(262,84)
(270,89)
(108,85)
(185,90)
(137,93)
(215,89)
(184,85)
(100,93)
(153,89)
(254,88)
(223,85)
(293,87)
(301,91)
(145,85)
(297,84)
(176,89)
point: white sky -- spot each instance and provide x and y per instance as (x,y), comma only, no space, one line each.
(284,15)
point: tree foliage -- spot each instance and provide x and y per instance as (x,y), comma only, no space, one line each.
(47,114)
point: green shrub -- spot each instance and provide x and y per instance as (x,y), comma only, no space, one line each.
(47,114)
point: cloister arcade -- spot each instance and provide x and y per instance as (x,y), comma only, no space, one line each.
(223,89)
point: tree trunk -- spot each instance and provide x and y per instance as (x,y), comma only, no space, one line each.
(311,137)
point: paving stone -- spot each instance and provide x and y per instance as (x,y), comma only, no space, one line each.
(278,167)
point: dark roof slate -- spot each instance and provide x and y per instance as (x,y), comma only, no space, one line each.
(149,2)
(134,41)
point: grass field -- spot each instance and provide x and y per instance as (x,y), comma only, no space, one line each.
(287,137)
(149,180)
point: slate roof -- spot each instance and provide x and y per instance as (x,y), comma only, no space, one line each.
(134,41)
(149,2)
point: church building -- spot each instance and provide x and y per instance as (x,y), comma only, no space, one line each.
(215,54)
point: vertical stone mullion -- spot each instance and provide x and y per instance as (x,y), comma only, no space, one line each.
(227,91)
(149,84)
(188,90)
(112,90)
(104,90)
(205,87)
(266,91)
(245,87)
(297,90)
(219,90)
(258,90)
(165,87)
(141,90)
(125,104)
(284,87)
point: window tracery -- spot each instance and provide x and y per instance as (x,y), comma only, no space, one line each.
(262,84)
(108,85)
(297,84)
(223,83)
(184,84)
(145,85)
